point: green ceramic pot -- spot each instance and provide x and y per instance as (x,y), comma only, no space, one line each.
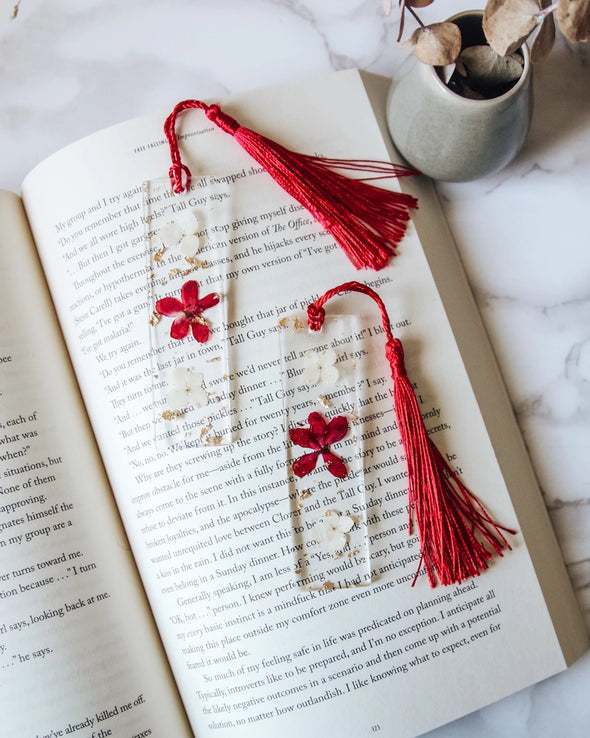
(450,137)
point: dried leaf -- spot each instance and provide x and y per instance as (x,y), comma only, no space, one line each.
(446,72)
(544,39)
(438,44)
(508,23)
(419,3)
(573,17)
(486,68)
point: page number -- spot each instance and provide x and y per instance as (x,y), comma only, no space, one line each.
(375,728)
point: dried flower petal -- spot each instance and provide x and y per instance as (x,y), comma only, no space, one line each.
(304,437)
(337,429)
(318,437)
(305,464)
(573,17)
(448,70)
(186,389)
(319,367)
(334,465)
(544,39)
(186,312)
(438,44)
(486,68)
(170,234)
(181,233)
(508,23)
(330,531)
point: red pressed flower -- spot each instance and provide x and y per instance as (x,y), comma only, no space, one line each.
(318,437)
(187,312)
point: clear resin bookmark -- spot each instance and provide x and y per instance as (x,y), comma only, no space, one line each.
(323,380)
(187,259)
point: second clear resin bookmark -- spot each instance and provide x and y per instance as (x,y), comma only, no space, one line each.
(322,381)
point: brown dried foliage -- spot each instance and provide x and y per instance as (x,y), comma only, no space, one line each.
(437,44)
(573,17)
(507,25)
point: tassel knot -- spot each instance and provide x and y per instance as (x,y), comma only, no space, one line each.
(222,120)
(394,352)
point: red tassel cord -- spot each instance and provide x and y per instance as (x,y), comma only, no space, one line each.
(450,520)
(368,222)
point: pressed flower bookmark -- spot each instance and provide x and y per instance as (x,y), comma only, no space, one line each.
(186,281)
(457,536)
(322,387)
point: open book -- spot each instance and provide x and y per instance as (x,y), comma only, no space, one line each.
(154,589)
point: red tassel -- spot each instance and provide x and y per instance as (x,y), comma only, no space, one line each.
(447,515)
(367,221)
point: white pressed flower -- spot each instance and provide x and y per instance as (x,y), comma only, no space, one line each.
(186,388)
(319,367)
(181,233)
(330,531)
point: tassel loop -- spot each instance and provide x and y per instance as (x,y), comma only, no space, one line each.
(315,316)
(368,222)
(451,522)
(180,177)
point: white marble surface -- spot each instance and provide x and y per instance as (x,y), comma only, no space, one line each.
(69,67)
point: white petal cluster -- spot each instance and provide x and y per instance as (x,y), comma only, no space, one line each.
(331,531)
(181,234)
(319,367)
(186,388)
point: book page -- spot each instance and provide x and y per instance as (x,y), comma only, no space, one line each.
(78,648)
(213,529)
